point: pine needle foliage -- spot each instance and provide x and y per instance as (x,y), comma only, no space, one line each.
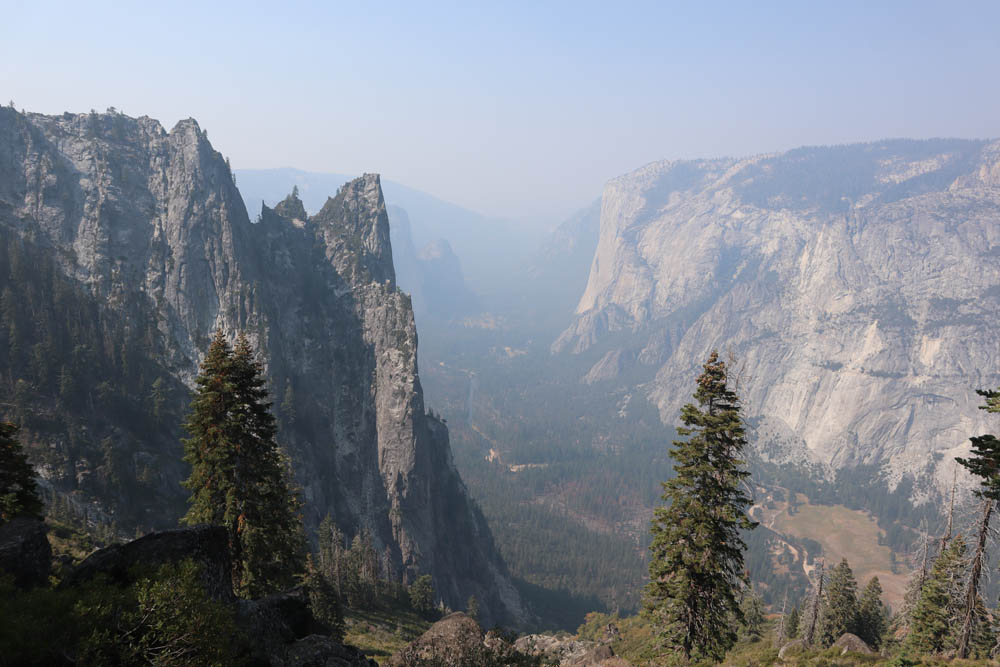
(933,623)
(984,459)
(792,624)
(872,617)
(18,492)
(840,607)
(696,567)
(239,478)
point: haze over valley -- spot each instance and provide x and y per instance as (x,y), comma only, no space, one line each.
(639,336)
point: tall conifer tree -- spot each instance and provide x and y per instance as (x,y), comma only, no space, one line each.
(840,607)
(872,617)
(696,557)
(18,492)
(933,622)
(238,477)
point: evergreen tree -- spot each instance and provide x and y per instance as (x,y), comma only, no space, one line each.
(422,595)
(238,477)
(840,607)
(18,492)
(752,607)
(932,625)
(984,463)
(792,624)
(696,556)
(872,618)
(472,607)
(984,634)
(332,559)
(323,600)
(914,589)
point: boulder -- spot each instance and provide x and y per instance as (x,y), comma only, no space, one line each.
(206,545)
(566,651)
(275,623)
(454,640)
(25,552)
(851,643)
(320,651)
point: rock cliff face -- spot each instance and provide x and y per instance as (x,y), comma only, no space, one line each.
(137,215)
(433,276)
(857,285)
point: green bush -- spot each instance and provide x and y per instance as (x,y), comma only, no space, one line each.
(164,619)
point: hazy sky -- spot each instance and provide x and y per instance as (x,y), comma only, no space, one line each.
(515,110)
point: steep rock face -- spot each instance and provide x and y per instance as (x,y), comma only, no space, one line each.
(140,215)
(856,284)
(433,276)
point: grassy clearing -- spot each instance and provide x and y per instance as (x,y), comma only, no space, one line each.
(382,632)
(850,534)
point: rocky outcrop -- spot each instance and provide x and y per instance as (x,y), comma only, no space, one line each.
(151,222)
(457,640)
(565,651)
(284,633)
(454,640)
(320,651)
(855,284)
(851,643)
(278,630)
(25,553)
(206,545)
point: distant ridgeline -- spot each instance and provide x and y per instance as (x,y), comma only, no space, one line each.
(125,247)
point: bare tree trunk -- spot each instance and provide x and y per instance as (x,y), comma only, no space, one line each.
(780,634)
(951,512)
(972,591)
(814,613)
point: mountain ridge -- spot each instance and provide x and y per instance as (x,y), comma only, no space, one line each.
(136,215)
(833,273)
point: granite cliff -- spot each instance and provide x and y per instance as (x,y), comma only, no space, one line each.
(150,227)
(432,276)
(857,286)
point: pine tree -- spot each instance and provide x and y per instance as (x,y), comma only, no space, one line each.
(984,463)
(932,625)
(472,607)
(752,607)
(696,556)
(781,634)
(332,554)
(840,607)
(970,609)
(914,588)
(872,618)
(323,600)
(18,492)
(422,595)
(984,633)
(238,477)
(792,624)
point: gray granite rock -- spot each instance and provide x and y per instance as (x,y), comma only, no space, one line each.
(856,284)
(25,553)
(851,643)
(139,215)
(206,545)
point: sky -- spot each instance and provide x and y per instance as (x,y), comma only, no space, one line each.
(515,110)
